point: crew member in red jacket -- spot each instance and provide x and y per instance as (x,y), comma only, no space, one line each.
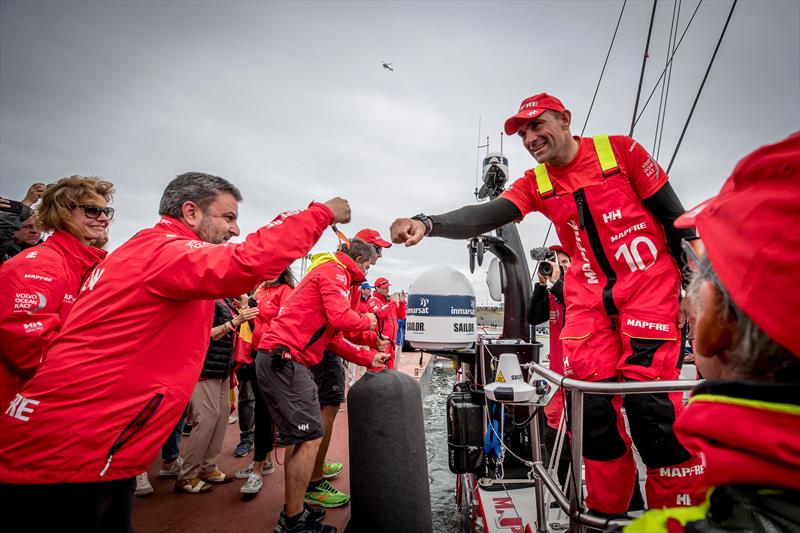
(40,285)
(329,375)
(387,309)
(116,380)
(310,322)
(744,419)
(612,208)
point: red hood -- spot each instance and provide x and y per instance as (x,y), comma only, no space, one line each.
(746,433)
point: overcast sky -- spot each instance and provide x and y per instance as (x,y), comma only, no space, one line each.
(288,100)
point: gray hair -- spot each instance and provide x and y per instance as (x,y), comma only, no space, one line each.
(753,354)
(195,187)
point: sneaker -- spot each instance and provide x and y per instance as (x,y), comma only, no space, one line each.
(242,448)
(266,470)
(143,486)
(171,469)
(314,514)
(330,470)
(326,496)
(252,485)
(217,477)
(192,486)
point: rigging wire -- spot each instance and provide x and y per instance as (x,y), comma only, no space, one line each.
(608,54)
(596,89)
(644,64)
(670,62)
(661,104)
(669,81)
(702,84)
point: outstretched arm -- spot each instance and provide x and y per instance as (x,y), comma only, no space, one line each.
(463,223)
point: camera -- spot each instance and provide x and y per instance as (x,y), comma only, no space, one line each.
(542,255)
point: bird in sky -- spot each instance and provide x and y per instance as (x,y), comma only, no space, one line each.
(387,66)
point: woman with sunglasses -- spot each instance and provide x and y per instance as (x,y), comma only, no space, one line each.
(41,284)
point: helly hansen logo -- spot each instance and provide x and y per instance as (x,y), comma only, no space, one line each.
(31,255)
(94,277)
(303,427)
(674,471)
(613,215)
(20,407)
(33,327)
(683,500)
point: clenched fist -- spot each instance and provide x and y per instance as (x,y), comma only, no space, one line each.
(341,210)
(408,231)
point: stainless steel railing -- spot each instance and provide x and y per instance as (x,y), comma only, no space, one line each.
(574,505)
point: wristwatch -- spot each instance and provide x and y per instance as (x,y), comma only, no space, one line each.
(425,219)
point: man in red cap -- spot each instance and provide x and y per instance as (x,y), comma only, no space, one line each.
(387,309)
(330,380)
(613,210)
(744,420)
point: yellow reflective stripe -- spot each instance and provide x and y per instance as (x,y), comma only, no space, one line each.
(756,404)
(604,153)
(543,182)
(655,520)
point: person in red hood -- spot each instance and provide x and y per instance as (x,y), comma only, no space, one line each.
(310,322)
(40,285)
(118,377)
(744,419)
(387,309)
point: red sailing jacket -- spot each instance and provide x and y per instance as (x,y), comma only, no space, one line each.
(39,289)
(270,299)
(747,435)
(387,311)
(555,408)
(116,380)
(313,317)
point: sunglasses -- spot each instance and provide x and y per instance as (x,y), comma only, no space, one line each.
(94,211)
(695,251)
(378,249)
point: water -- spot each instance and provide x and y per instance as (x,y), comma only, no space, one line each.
(442,481)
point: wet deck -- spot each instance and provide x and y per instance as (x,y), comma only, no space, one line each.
(225,509)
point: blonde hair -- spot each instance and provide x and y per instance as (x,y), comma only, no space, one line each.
(60,198)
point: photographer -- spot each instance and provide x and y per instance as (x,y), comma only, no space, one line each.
(547,305)
(18,229)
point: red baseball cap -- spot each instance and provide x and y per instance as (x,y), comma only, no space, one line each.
(381,282)
(371,236)
(558,248)
(753,225)
(532,107)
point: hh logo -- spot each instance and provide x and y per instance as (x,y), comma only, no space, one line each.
(94,277)
(683,500)
(613,215)
(19,407)
(302,427)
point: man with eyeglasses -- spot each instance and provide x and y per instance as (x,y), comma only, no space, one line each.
(612,207)
(744,419)
(114,383)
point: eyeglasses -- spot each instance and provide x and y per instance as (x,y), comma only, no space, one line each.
(94,211)
(695,251)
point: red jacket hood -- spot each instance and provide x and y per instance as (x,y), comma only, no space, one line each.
(745,432)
